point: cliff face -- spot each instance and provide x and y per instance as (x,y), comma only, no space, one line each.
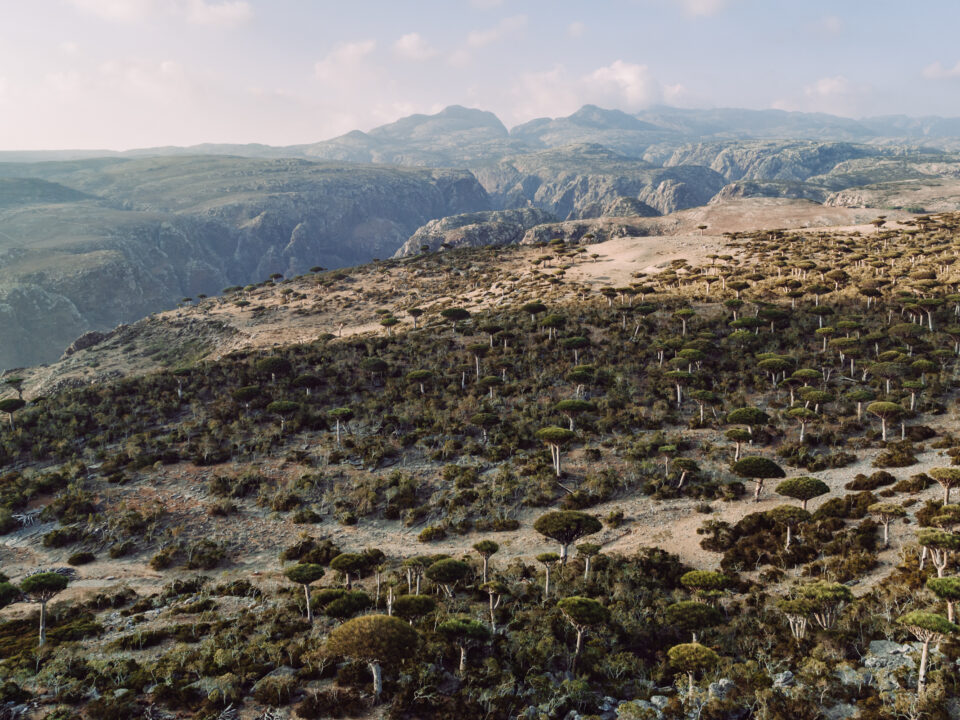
(160,230)
(497,227)
(583,181)
(780,161)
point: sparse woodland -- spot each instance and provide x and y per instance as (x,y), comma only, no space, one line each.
(714,385)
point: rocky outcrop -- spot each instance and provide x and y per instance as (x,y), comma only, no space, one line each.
(754,189)
(582,181)
(87,340)
(782,161)
(498,227)
(588,231)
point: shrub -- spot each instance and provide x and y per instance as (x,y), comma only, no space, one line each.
(205,554)
(275,690)
(81,558)
(61,537)
(431,533)
(120,549)
(332,703)
(877,479)
(164,558)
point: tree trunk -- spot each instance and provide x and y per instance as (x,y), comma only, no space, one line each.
(43,622)
(576,652)
(586,569)
(306,592)
(789,537)
(756,493)
(922,677)
(886,534)
(463,660)
(546,585)
(377,681)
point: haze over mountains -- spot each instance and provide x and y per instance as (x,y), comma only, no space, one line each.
(91,239)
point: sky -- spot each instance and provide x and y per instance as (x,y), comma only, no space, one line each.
(119,74)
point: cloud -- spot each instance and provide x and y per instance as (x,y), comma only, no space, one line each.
(834,94)
(622,85)
(194,12)
(117,10)
(482,38)
(486,4)
(343,61)
(937,71)
(576,29)
(703,8)
(413,47)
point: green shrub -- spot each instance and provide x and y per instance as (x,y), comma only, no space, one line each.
(432,533)
(81,558)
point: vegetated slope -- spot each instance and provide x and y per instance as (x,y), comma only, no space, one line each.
(439,432)
(120,239)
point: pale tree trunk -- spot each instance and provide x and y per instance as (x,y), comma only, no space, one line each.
(306,592)
(43,622)
(546,585)
(463,660)
(922,676)
(377,681)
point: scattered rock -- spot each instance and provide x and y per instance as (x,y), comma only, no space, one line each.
(841,711)
(721,688)
(784,679)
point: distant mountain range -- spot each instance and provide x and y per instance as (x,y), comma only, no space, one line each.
(90,239)
(459,135)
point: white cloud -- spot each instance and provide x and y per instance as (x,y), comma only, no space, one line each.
(576,29)
(482,38)
(937,71)
(486,4)
(834,94)
(195,12)
(117,10)
(701,8)
(344,60)
(413,47)
(622,85)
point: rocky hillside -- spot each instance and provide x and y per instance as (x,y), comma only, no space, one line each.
(495,227)
(139,235)
(583,181)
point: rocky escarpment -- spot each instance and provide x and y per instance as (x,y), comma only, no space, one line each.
(497,227)
(584,181)
(758,189)
(780,161)
(160,230)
